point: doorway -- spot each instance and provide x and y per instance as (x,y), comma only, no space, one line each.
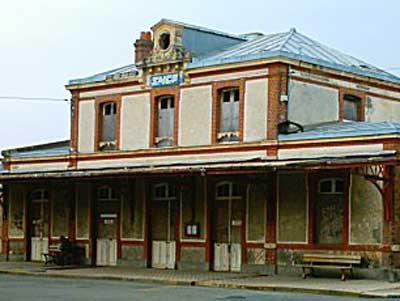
(329,212)
(107,211)
(39,224)
(227,227)
(163,226)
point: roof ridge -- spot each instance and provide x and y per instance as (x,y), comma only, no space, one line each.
(290,35)
(204,29)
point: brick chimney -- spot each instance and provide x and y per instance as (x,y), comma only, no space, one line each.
(143,46)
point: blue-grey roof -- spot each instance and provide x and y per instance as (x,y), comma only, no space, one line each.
(344,129)
(211,47)
(44,150)
(293,45)
(204,29)
(99,77)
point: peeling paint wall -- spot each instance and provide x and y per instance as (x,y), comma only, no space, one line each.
(82,210)
(292,208)
(366,212)
(193,206)
(195,116)
(304,96)
(86,124)
(16,214)
(255,110)
(256,213)
(135,122)
(133,212)
(60,213)
(380,109)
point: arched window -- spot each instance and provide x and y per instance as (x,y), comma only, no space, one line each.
(165,120)
(331,186)
(108,126)
(164,191)
(106,193)
(229,115)
(227,190)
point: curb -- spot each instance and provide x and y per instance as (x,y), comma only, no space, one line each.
(211,284)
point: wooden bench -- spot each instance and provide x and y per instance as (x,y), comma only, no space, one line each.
(344,263)
(53,254)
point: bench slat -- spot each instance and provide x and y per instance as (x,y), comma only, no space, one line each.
(333,267)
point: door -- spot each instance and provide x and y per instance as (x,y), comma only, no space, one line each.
(39,223)
(163,229)
(329,212)
(228,223)
(107,208)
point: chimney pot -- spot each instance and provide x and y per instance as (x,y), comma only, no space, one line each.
(143,46)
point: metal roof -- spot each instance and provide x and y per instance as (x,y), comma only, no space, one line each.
(293,45)
(58,148)
(343,129)
(118,72)
(204,29)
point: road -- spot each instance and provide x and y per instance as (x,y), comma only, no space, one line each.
(14,288)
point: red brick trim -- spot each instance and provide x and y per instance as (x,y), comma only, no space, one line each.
(216,110)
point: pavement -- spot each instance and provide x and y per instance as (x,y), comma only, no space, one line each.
(278,283)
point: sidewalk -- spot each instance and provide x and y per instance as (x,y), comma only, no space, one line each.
(327,286)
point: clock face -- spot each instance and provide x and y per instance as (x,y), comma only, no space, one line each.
(165,40)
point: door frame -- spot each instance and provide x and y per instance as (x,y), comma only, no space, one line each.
(242,186)
(149,217)
(29,198)
(94,210)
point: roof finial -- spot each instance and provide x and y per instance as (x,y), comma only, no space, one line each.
(293,29)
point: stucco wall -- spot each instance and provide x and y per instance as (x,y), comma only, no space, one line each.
(380,109)
(311,103)
(366,212)
(86,131)
(255,110)
(195,116)
(292,208)
(135,122)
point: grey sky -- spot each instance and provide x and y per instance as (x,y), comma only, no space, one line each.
(44,43)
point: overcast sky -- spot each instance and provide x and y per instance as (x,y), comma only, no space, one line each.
(44,43)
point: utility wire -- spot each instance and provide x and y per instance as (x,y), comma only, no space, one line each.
(34,98)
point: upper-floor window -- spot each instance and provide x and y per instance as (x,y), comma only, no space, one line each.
(108,126)
(166,115)
(351,107)
(229,115)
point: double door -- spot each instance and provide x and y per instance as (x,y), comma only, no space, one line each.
(227,231)
(163,234)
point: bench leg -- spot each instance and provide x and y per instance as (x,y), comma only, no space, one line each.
(307,272)
(345,274)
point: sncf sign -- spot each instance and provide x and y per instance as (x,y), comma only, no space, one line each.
(167,79)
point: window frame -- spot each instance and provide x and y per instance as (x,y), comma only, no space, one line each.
(218,88)
(100,101)
(155,95)
(358,97)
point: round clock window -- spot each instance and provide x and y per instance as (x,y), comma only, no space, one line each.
(164,40)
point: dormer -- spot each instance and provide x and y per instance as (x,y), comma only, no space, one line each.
(176,43)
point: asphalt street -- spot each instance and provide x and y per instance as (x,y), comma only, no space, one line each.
(16,287)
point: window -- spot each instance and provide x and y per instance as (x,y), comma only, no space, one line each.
(351,107)
(164,191)
(166,111)
(40,195)
(164,41)
(331,186)
(106,193)
(227,190)
(108,126)
(229,115)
